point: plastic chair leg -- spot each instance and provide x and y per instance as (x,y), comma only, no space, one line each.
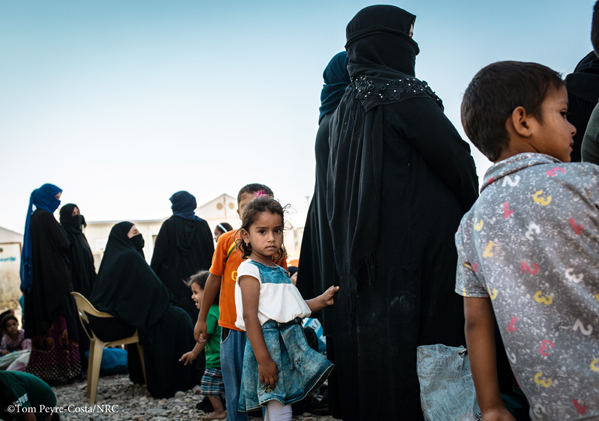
(96,362)
(140,349)
(89,366)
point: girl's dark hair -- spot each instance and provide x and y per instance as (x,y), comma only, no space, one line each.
(495,92)
(6,319)
(200,278)
(250,213)
(226,225)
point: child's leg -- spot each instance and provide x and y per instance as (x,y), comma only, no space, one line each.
(276,411)
(231,360)
(219,410)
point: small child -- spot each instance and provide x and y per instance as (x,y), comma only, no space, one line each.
(279,368)
(223,277)
(220,229)
(13,338)
(528,248)
(212,381)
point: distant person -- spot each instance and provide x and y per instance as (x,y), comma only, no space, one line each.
(583,90)
(83,271)
(15,349)
(220,229)
(317,263)
(50,310)
(399,179)
(212,385)
(128,289)
(279,367)
(27,397)
(528,246)
(80,254)
(590,141)
(183,247)
(223,276)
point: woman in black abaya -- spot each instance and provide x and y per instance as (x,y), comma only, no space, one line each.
(80,254)
(83,272)
(50,312)
(316,272)
(183,247)
(399,180)
(127,288)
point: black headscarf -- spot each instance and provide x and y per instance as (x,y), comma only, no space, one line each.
(184,205)
(126,286)
(336,80)
(80,254)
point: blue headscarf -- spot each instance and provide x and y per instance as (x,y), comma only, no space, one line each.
(184,205)
(42,198)
(336,79)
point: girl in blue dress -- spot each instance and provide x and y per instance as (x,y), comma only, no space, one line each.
(279,367)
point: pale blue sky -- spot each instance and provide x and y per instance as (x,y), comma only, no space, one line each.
(122,103)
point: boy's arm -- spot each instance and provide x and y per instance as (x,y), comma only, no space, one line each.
(210,291)
(188,357)
(250,295)
(480,341)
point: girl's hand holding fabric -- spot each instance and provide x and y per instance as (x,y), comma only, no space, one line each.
(328,296)
(268,371)
(323,300)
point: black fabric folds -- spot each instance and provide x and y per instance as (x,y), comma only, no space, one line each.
(336,80)
(583,95)
(80,254)
(127,288)
(399,179)
(182,248)
(50,295)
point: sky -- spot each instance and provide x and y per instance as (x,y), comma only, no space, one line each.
(123,103)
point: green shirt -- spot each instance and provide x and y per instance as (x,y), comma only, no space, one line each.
(25,390)
(212,347)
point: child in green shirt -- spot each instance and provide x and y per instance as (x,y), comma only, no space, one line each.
(212,382)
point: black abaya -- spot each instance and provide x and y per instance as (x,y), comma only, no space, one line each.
(183,247)
(50,293)
(127,288)
(399,180)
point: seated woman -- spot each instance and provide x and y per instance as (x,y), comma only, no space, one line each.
(127,288)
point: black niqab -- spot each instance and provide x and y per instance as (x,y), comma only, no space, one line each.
(80,254)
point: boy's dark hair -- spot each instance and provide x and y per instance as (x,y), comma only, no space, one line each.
(251,212)
(495,92)
(253,189)
(6,319)
(200,278)
(595,29)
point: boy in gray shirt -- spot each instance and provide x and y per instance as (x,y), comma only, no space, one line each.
(528,249)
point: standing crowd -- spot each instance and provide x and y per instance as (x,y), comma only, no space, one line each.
(399,252)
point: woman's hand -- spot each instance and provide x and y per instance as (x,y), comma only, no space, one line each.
(188,357)
(268,371)
(5,352)
(328,297)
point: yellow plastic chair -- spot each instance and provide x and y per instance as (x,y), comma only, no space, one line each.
(96,348)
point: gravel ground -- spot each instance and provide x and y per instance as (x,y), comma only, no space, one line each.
(133,402)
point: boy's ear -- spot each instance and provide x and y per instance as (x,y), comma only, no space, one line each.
(519,122)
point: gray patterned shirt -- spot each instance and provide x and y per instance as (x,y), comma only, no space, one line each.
(531,244)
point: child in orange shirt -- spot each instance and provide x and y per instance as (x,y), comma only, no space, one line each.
(223,274)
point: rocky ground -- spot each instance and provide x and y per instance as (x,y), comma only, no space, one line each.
(127,401)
